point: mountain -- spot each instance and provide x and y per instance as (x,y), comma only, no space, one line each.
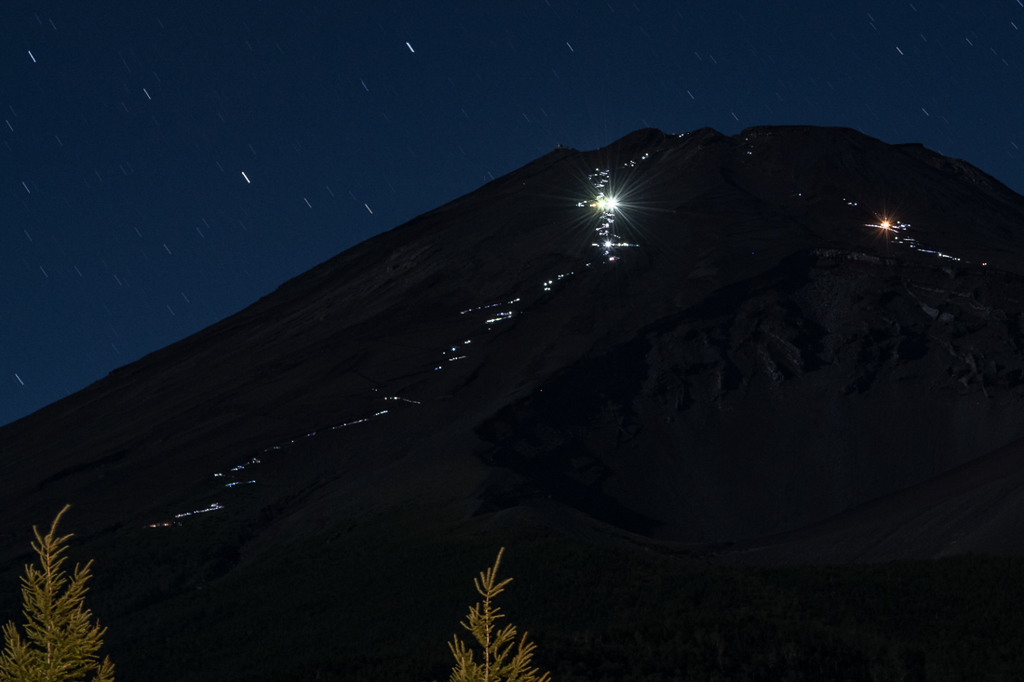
(794,345)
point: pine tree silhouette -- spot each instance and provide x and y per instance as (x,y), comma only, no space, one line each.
(60,643)
(497,644)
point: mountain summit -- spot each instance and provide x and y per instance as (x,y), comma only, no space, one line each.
(799,340)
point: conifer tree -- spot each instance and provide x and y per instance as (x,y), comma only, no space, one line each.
(497,645)
(60,643)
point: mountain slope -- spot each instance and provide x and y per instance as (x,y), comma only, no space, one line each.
(765,354)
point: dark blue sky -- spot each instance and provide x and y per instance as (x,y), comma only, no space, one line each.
(126,222)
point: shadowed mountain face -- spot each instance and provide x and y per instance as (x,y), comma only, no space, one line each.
(768,331)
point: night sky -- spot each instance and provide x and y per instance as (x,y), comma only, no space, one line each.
(165,164)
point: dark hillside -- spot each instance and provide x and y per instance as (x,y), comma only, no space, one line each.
(792,346)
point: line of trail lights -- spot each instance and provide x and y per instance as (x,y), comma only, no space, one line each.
(213,507)
(898,230)
(255,460)
(216,505)
(167,524)
(485,307)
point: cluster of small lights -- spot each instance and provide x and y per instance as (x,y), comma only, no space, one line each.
(216,505)
(239,467)
(548,284)
(943,255)
(892,226)
(281,446)
(500,317)
(454,358)
(485,307)
(607,240)
(213,507)
(454,349)
(898,228)
(632,164)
